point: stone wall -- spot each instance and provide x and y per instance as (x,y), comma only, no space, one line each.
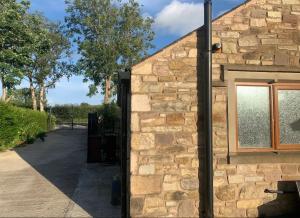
(265,33)
(164,156)
(165,99)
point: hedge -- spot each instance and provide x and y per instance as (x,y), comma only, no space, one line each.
(64,113)
(109,113)
(20,125)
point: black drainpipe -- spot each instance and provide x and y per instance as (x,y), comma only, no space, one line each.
(208,192)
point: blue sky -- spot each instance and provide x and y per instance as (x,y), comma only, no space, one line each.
(173,19)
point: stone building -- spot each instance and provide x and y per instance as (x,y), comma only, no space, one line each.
(256,115)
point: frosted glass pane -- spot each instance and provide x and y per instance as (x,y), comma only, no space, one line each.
(289,116)
(253,107)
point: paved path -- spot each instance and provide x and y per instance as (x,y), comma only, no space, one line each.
(51,179)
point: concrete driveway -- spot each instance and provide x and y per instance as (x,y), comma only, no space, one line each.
(51,179)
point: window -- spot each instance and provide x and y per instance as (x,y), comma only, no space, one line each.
(267,116)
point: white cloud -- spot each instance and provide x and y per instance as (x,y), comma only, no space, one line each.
(179,18)
(153,5)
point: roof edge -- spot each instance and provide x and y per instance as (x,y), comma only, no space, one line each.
(192,32)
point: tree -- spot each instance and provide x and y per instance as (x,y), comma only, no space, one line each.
(41,43)
(21,97)
(14,37)
(49,52)
(52,64)
(111,36)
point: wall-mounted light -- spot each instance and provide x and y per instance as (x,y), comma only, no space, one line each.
(216,47)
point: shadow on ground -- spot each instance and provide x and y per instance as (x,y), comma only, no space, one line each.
(63,185)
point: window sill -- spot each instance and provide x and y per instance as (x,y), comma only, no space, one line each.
(265,157)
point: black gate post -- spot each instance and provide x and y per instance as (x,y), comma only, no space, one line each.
(124,103)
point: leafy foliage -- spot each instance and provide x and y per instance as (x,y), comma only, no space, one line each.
(19,125)
(65,113)
(21,98)
(14,38)
(111,36)
(108,113)
(50,52)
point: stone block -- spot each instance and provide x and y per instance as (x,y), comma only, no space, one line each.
(136,206)
(254,178)
(161,70)
(230,34)
(252,191)
(175,119)
(171,204)
(135,122)
(290,177)
(155,121)
(274,14)
(164,140)
(252,213)
(240,27)
(193,53)
(267,63)
(219,173)
(235,179)
(140,103)
(246,204)
(153,202)
(142,185)
(275,2)
(246,169)
(164,97)
(258,22)
(281,59)
(296,7)
(231,212)
(176,65)
(133,163)
(170,106)
(148,169)
(176,196)
(142,141)
(155,212)
(190,183)
(248,41)
(288,47)
(226,193)
(220,181)
(179,53)
(136,83)
(258,13)
(173,186)
(166,79)
(229,47)
(150,78)
(171,178)
(187,208)
(144,68)
(289,169)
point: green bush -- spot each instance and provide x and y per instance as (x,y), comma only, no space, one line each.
(109,115)
(19,125)
(64,113)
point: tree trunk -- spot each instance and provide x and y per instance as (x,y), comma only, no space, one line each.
(107,90)
(33,96)
(42,98)
(4,90)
